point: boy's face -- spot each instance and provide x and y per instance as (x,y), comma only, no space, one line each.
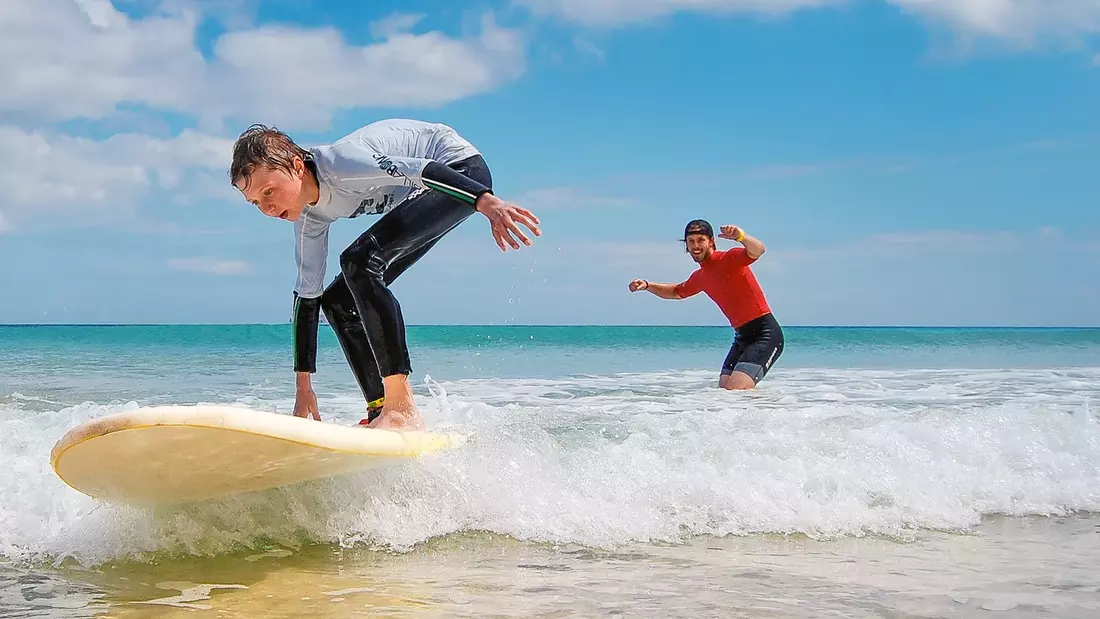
(275,192)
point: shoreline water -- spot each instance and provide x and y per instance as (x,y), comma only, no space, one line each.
(1007,567)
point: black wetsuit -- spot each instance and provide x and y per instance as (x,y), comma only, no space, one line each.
(756,346)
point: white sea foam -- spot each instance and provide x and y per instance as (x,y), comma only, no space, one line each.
(604,460)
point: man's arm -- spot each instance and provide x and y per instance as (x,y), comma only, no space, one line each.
(665,291)
(753,246)
(668,291)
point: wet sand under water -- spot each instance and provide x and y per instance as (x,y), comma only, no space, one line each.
(1035,567)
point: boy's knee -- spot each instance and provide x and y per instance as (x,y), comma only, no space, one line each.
(351,256)
(363,257)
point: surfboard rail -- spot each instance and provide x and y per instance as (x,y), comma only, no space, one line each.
(185,453)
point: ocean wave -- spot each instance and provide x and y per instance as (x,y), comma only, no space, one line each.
(613,459)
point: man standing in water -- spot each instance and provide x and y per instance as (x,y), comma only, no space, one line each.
(727,279)
(424,179)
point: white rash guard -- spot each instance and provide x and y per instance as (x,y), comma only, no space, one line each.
(370,171)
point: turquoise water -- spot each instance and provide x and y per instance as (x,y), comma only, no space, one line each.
(257,352)
(188,363)
(594,437)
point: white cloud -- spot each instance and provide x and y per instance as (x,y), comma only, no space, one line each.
(956,241)
(783,172)
(51,173)
(394,24)
(589,48)
(921,245)
(299,78)
(213,266)
(962,242)
(84,59)
(66,60)
(640,256)
(907,245)
(562,198)
(296,77)
(1019,21)
(602,13)
(1050,232)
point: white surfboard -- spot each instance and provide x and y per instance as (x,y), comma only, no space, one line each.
(166,455)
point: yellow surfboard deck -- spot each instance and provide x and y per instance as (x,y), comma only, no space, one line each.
(164,455)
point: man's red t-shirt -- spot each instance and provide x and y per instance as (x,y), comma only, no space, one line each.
(727,279)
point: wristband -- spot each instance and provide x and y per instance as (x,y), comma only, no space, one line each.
(741,236)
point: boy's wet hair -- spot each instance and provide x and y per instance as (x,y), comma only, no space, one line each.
(263,146)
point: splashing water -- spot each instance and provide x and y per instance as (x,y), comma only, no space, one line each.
(607,460)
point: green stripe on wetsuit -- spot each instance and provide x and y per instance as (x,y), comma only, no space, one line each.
(453,183)
(294,331)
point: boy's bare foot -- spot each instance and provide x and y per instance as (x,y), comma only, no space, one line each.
(399,410)
(398,420)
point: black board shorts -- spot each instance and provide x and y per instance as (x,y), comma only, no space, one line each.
(756,346)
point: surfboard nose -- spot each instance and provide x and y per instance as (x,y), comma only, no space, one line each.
(178,454)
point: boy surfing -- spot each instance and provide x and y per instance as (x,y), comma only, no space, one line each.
(424,179)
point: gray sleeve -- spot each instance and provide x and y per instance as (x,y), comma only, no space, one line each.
(311,256)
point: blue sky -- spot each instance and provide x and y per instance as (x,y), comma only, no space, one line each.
(907,162)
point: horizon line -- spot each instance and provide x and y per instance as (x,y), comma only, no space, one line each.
(553,325)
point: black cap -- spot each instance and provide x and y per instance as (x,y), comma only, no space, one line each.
(698,226)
